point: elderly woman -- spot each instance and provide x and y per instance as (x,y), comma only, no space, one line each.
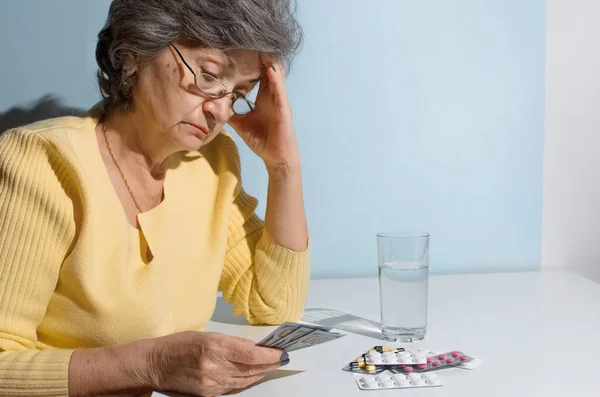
(120,226)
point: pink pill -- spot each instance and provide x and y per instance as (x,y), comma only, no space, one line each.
(435,363)
(449,360)
(422,366)
(429,359)
(463,358)
(455,354)
(442,356)
(408,369)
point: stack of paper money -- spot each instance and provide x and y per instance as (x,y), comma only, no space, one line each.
(294,336)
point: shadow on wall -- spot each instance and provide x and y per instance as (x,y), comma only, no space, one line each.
(47,107)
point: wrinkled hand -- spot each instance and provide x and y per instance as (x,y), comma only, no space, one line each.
(209,364)
(268,129)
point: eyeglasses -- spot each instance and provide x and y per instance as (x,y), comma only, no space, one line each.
(213,87)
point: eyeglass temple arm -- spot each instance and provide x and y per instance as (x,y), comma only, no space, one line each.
(183,60)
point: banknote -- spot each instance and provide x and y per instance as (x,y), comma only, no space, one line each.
(289,333)
(314,338)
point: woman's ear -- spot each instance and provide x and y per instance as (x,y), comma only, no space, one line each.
(130,66)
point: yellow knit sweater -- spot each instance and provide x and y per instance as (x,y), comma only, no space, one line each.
(72,272)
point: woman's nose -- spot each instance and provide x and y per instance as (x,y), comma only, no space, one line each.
(219,108)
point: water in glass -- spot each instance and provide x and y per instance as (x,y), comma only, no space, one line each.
(403,289)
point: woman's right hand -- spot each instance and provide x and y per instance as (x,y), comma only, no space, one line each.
(209,364)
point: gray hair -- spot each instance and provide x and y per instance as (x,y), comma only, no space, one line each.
(142,29)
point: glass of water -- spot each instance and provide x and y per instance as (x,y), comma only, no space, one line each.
(403,285)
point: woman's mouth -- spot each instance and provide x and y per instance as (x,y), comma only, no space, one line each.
(203,130)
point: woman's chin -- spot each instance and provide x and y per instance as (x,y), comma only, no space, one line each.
(192,143)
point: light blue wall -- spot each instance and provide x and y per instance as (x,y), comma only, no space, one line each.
(420,115)
(48,47)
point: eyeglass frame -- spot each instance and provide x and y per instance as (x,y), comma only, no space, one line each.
(235,95)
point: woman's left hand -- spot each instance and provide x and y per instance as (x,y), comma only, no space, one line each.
(268,129)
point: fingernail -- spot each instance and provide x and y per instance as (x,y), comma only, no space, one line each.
(284,363)
(273,67)
(284,357)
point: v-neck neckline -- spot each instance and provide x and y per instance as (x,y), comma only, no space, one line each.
(147,219)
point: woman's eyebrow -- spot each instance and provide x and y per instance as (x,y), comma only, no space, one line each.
(231,65)
(214,60)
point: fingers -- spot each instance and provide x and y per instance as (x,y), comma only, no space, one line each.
(227,340)
(276,77)
(271,63)
(256,366)
(244,340)
(252,370)
(245,353)
(243,382)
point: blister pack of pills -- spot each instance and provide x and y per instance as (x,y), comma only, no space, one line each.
(388,380)
(360,366)
(436,361)
(396,358)
(394,368)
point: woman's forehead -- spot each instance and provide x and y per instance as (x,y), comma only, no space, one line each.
(242,61)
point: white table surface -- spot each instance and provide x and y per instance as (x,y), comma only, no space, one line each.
(537,333)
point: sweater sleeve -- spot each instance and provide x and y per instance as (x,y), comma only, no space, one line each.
(37,229)
(266,282)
